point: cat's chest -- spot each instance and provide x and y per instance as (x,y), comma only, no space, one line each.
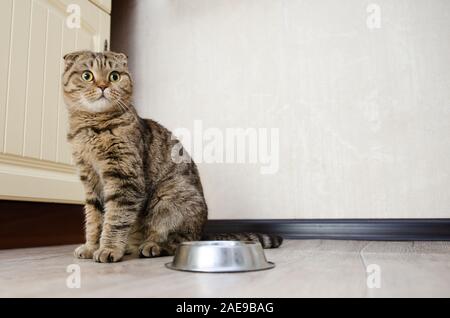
(92,145)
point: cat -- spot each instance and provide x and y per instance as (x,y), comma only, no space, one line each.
(138,199)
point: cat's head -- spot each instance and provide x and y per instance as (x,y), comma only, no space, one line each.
(97,82)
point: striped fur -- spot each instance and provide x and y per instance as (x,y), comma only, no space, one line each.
(138,200)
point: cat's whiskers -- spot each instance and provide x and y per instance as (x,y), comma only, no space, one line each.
(122,105)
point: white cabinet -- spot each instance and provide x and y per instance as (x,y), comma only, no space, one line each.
(103,4)
(35,159)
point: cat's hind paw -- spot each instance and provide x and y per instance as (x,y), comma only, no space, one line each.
(107,255)
(150,249)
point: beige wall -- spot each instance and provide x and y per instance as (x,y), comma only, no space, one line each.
(363,114)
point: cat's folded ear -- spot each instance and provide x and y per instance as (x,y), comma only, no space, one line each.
(120,57)
(70,58)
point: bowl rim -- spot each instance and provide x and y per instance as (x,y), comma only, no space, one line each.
(220,243)
(267,266)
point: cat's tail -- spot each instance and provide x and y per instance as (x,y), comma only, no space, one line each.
(266,240)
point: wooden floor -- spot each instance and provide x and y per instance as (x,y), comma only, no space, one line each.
(311,268)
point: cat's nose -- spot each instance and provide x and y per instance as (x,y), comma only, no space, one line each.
(102,86)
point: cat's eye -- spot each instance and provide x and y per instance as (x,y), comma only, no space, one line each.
(87,76)
(114,77)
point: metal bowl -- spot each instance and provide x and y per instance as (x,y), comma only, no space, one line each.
(219,257)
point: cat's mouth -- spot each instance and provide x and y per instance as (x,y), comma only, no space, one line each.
(102,98)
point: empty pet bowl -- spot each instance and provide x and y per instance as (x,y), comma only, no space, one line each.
(219,257)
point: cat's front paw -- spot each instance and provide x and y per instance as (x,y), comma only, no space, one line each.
(85,251)
(108,255)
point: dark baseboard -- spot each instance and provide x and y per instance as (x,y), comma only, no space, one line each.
(341,229)
(30,224)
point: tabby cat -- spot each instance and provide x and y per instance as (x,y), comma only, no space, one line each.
(138,199)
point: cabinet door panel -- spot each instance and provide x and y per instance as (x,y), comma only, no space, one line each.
(17,79)
(36,78)
(33,117)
